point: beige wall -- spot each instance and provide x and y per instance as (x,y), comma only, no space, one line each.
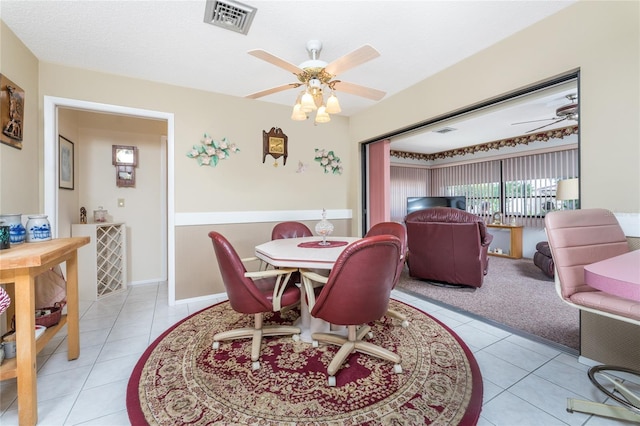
(145,209)
(242,183)
(225,187)
(602,39)
(20,170)
(196,246)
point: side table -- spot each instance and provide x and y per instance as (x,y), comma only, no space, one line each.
(515,241)
(19,266)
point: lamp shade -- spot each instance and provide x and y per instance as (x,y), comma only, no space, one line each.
(333,106)
(307,103)
(322,116)
(297,113)
(568,189)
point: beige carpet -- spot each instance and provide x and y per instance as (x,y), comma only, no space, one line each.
(515,295)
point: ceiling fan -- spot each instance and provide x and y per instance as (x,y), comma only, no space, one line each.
(318,77)
(565,112)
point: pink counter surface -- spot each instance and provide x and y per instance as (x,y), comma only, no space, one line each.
(619,275)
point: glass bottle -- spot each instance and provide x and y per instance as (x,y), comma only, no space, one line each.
(324,228)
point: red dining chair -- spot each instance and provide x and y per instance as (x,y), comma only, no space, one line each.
(397,230)
(253,293)
(357,292)
(290,230)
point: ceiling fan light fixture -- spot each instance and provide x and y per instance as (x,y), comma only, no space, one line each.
(298,114)
(333,106)
(322,116)
(307,103)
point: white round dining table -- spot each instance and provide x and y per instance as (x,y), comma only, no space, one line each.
(306,254)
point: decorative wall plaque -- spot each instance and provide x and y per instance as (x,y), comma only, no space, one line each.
(11,112)
(274,143)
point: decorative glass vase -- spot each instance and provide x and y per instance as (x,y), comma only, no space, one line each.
(38,228)
(5,238)
(17,233)
(324,228)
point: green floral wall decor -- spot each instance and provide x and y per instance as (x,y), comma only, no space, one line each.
(210,152)
(329,161)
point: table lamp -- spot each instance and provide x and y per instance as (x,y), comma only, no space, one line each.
(568,190)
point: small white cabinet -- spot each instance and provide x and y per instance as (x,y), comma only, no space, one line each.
(102,264)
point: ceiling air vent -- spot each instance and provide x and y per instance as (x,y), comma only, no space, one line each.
(229,14)
(445,130)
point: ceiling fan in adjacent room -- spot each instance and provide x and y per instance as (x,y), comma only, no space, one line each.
(565,112)
(318,77)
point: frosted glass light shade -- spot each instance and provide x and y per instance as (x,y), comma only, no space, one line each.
(322,116)
(333,106)
(307,103)
(297,113)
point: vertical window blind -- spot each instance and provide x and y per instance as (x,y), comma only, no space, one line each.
(530,184)
(479,182)
(522,187)
(406,182)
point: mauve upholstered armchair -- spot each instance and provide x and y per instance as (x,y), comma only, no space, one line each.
(253,293)
(357,292)
(578,238)
(448,245)
(397,230)
(290,230)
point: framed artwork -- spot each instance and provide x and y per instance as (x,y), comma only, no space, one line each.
(122,155)
(11,112)
(125,159)
(65,163)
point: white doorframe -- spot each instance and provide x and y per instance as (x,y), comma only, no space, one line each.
(50,172)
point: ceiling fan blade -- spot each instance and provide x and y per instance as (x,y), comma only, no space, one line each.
(355,89)
(357,57)
(533,121)
(546,125)
(273,90)
(273,59)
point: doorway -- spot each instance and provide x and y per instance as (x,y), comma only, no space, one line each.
(51,193)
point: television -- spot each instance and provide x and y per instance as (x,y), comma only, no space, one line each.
(421,203)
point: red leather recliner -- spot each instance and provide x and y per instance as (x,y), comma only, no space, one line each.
(448,245)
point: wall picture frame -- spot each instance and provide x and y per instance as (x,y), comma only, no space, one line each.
(65,163)
(11,113)
(125,160)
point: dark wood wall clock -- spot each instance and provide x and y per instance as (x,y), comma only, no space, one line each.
(274,143)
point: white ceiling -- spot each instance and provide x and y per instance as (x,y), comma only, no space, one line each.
(169,42)
(493,123)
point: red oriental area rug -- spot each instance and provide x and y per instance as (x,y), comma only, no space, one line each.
(181,380)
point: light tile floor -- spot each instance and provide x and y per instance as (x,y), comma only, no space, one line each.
(525,382)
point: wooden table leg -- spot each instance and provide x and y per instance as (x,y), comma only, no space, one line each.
(26,347)
(73,315)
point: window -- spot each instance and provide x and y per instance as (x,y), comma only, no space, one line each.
(524,187)
(530,184)
(479,182)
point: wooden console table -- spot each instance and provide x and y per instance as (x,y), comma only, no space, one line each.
(19,266)
(515,249)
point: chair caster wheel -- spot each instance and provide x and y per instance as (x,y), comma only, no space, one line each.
(315,344)
(216,345)
(332,381)
(296,337)
(397,368)
(255,365)
(405,324)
